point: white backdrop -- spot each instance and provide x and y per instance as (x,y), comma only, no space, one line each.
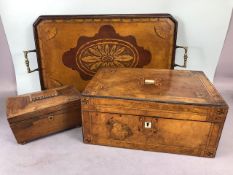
(202,25)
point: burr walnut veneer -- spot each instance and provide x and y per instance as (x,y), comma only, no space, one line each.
(158,110)
(39,114)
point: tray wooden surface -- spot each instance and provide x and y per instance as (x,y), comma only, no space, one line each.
(71,49)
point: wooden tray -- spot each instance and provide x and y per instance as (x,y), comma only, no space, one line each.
(70,49)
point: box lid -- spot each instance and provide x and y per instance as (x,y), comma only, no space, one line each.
(166,86)
(40,103)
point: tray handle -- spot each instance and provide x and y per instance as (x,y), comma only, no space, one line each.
(185,56)
(27,61)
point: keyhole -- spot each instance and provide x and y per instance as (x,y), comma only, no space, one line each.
(50,117)
(147,125)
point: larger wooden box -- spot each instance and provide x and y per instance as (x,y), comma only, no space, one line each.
(160,110)
(35,115)
(70,49)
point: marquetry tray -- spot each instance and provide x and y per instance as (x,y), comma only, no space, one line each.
(70,49)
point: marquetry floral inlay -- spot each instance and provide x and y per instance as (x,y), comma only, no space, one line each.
(106,48)
(107,55)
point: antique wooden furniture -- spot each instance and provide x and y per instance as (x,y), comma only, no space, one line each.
(39,114)
(160,110)
(70,49)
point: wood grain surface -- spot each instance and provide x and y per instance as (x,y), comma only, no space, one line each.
(77,46)
(181,112)
(32,116)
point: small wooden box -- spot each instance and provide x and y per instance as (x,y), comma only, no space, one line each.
(159,110)
(39,114)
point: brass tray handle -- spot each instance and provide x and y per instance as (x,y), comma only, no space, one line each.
(185,56)
(27,61)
